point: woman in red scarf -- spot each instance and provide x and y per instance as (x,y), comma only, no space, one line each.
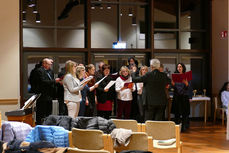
(124,88)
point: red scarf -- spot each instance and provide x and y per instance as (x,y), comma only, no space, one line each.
(124,78)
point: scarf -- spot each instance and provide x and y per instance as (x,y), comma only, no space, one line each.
(124,78)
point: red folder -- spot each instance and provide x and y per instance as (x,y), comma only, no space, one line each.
(129,85)
(177,77)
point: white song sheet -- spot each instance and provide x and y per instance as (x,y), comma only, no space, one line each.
(111,83)
(98,82)
(86,79)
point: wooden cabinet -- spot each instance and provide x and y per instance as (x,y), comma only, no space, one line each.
(25,118)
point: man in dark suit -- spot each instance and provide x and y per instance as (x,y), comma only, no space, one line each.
(46,86)
(153,94)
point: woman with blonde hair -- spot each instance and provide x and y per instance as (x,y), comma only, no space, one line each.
(81,73)
(143,71)
(124,88)
(72,87)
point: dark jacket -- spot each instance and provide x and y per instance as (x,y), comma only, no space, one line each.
(98,123)
(102,96)
(181,96)
(33,79)
(154,87)
(63,121)
(80,122)
(47,84)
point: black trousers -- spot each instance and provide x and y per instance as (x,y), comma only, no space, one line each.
(104,114)
(155,113)
(43,109)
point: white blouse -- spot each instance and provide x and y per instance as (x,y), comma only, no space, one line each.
(225,99)
(125,94)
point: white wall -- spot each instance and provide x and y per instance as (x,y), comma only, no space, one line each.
(9,59)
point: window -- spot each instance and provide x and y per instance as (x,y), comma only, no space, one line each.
(46,24)
(180,24)
(123,20)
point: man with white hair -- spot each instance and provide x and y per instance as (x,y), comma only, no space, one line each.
(153,93)
(47,87)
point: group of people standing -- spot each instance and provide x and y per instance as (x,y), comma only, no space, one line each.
(90,98)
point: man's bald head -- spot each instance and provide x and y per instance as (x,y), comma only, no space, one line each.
(47,63)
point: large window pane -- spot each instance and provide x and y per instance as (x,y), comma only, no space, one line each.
(46,10)
(70,38)
(61,23)
(75,17)
(192,14)
(133,26)
(165,40)
(38,37)
(165,14)
(104,26)
(192,40)
(123,21)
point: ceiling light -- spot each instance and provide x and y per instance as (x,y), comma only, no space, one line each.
(31,3)
(38,19)
(92,7)
(35,10)
(108,7)
(134,22)
(130,12)
(23,17)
